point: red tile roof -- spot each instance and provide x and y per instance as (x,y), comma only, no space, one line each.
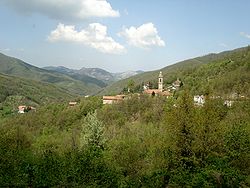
(157,91)
(118,97)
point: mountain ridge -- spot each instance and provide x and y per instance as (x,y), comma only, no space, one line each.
(97,73)
(81,86)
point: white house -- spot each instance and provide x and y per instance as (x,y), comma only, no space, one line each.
(21,109)
(199,99)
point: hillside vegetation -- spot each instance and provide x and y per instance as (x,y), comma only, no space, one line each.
(140,142)
(15,91)
(83,85)
(223,73)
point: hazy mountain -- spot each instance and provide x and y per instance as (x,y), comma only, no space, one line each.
(75,74)
(97,73)
(82,85)
(225,72)
(106,76)
(60,69)
(124,75)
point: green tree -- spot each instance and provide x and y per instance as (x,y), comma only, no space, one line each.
(92,132)
(131,86)
(184,124)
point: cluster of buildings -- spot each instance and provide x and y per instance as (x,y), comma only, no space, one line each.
(161,91)
(199,100)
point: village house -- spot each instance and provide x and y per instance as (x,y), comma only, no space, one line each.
(199,100)
(228,103)
(22,109)
(112,99)
(71,103)
(177,83)
(157,92)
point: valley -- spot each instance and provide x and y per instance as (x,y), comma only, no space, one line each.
(189,120)
(124,94)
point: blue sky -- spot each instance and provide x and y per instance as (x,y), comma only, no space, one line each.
(120,35)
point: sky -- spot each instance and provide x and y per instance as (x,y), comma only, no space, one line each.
(120,35)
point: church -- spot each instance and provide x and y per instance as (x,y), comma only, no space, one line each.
(160,91)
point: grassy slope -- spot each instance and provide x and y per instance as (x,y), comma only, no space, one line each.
(225,72)
(16,67)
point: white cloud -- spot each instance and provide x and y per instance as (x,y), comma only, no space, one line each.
(144,36)
(65,9)
(94,36)
(245,35)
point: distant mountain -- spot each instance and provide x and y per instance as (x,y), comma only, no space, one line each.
(82,85)
(124,75)
(97,73)
(106,76)
(221,73)
(75,74)
(60,69)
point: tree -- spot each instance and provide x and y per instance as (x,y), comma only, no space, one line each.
(92,132)
(182,121)
(131,85)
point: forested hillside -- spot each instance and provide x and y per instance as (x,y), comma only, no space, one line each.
(15,91)
(223,73)
(81,85)
(140,142)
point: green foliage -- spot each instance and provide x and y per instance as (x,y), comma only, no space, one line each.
(183,121)
(5,111)
(16,91)
(92,132)
(143,141)
(131,86)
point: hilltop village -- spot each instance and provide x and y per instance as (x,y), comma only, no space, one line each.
(167,92)
(160,91)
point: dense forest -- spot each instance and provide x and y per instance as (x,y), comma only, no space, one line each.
(143,141)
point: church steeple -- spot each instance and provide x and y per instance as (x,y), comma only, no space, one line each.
(160,82)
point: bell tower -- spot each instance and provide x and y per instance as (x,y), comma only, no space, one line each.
(160,82)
